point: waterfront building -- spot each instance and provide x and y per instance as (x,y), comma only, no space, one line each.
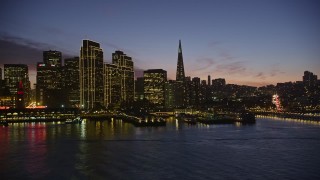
(6,100)
(91,75)
(154,86)
(125,65)
(13,75)
(71,82)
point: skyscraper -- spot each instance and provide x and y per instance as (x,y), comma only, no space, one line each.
(13,74)
(91,75)
(49,80)
(218,83)
(309,79)
(52,58)
(180,68)
(125,64)
(71,81)
(154,86)
(170,94)
(180,86)
(112,85)
(196,88)
(20,96)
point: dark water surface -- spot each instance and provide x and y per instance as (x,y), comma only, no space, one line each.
(270,149)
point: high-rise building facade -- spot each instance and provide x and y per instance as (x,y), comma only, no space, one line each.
(125,64)
(154,86)
(170,94)
(20,104)
(13,75)
(49,80)
(52,58)
(112,85)
(91,75)
(196,91)
(71,83)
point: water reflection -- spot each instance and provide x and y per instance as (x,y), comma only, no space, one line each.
(113,150)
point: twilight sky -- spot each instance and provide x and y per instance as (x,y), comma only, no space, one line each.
(252,42)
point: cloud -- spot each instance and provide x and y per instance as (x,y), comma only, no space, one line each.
(23,42)
(205,63)
(250,83)
(275,71)
(233,68)
(56,31)
(260,75)
(214,44)
(116,47)
(12,52)
(15,49)
(226,56)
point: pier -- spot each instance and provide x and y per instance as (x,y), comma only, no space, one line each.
(288,115)
(38,115)
(63,114)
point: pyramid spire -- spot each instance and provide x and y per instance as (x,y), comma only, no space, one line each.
(180,48)
(180,76)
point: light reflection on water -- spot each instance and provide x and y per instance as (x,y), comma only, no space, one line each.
(270,149)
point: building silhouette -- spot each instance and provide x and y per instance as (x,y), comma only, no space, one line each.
(218,83)
(180,84)
(13,75)
(154,86)
(91,75)
(180,68)
(309,79)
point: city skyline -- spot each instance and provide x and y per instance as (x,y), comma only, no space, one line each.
(247,42)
